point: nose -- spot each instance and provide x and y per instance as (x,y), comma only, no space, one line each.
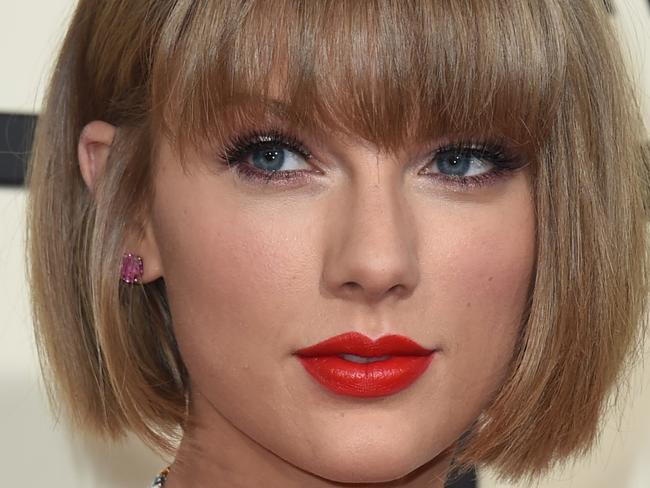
(372,251)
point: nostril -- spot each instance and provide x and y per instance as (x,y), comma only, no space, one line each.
(352,288)
(397,289)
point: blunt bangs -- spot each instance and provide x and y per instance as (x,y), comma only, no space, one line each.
(389,72)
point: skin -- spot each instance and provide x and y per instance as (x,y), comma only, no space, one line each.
(256,271)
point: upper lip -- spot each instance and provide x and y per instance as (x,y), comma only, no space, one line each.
(361,345)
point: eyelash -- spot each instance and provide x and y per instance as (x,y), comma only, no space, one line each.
(238,149)
(504,163)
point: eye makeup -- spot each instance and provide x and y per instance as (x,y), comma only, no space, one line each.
(270,146)
(467,164)
(464,165)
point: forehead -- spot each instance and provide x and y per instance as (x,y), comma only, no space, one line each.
(385,71)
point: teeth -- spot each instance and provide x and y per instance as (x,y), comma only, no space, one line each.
(362,360)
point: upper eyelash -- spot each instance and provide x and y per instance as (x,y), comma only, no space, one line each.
(494,152)
(504,160)
(238,147)
(243,144)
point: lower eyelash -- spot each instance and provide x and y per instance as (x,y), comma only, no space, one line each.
(236,151)
(241,146)
(504,162)
(278,177)
(472,182)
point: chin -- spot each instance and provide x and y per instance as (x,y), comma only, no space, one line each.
(370,462)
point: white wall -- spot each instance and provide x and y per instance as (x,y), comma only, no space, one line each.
(29,32)
(633,25)
(36,450)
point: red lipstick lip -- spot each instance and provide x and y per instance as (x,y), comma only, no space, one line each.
(406,362)
(361,345)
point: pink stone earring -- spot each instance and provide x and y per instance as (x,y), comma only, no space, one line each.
(132,268)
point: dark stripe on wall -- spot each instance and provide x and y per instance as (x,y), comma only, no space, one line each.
(16,133)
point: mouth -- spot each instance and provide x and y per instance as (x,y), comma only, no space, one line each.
(363,360)
(352,364)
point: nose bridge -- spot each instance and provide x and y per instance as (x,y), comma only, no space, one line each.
(372,245)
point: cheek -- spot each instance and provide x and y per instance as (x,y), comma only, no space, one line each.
(482,272)
(237,281)
(485,272)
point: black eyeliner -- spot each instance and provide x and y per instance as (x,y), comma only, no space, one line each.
(490,151)
(504,161)
(241,145)
(237,150)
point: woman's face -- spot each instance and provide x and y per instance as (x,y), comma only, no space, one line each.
(357,241)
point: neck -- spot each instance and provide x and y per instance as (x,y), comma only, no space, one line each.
(215,453)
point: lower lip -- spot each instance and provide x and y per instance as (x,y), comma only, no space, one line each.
(380,378)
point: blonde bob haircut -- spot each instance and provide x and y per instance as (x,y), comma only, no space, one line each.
(544,75)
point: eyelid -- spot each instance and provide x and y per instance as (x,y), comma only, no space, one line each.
(238,149)
(242,144)
(236,152)
(494,152)
(500,160)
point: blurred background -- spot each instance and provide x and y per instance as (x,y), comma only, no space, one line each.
(37,449)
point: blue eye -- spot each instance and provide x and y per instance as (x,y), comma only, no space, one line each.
(463,163)
(267,156)
(274,158)
(465,166)
(269,159)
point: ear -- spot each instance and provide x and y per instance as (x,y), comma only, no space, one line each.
(94,147)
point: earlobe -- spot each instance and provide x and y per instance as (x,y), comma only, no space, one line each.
(147,249)
(141,261)
(93,150)
(143,265)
